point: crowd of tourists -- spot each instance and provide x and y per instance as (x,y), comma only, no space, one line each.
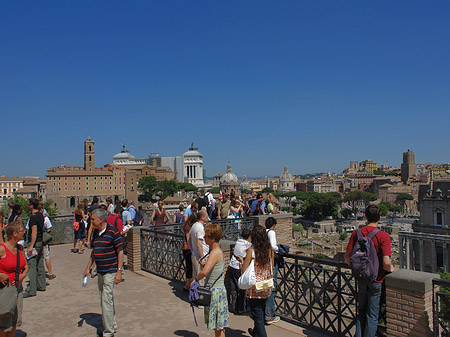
(20,258)
(247,286)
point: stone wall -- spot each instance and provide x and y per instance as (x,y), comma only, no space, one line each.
(409,303)
(283,227)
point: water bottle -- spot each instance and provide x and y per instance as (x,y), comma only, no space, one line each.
(85,281)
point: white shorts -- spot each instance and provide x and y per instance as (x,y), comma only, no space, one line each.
(46,252)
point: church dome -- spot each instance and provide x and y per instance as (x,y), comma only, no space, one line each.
(286,176)
(229,176)
(124,156)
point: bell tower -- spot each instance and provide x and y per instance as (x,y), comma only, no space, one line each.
(89,154)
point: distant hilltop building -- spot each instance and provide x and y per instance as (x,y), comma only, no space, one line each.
(188,167)
(229,182)
(67,186)
(26,187)
(286,183)
(408,166)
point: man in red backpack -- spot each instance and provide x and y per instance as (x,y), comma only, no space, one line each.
(369,291)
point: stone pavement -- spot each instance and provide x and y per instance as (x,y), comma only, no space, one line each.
(146,305)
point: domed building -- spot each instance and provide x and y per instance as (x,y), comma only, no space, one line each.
(124,158)
(229,182)
(193,167)
(286,182)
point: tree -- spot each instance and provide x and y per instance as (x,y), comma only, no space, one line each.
(346,212)
(215,190)
(316,206)
(402,198)
(187,187)
(267,190)
(18,200)
(355,197)
(147,185)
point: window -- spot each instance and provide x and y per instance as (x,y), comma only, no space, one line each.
(439,217)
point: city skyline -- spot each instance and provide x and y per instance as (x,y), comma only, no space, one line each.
(262,85)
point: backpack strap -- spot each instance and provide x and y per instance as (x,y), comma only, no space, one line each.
(373,233)
(359,234)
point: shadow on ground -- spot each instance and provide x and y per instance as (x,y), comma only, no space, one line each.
(92,319)
(185,333)
(177,290)
(20,333)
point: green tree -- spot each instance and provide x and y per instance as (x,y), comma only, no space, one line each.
(215,190)
(18,200)
(402,198)
(346,212)
(187,187)
(356,197)
(267,190)
(343,236)
(147,185)
(166,187)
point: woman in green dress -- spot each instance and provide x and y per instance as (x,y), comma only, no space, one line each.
(216,315)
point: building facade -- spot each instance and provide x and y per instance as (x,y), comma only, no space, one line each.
(286,183)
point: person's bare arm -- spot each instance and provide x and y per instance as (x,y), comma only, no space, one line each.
(152,217)
(214,258)
(347,257)
(118,277)
(247,260)
(33,239)
(200,247)
(387,264)
(25,271)
(166,220)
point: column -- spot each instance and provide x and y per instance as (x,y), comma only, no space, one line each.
(421,252)
(408,256)
(445,255)
(195,172)
(401,252)
(412,263)
(134,249)
(433,256)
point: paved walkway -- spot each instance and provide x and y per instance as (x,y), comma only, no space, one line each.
(146,305)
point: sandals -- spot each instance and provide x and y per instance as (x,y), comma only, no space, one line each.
(74,250)
(81,251)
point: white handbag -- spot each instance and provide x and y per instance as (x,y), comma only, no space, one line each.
(248,278)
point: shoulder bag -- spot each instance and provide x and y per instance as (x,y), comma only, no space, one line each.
(9,293)
(76,224)
(204,293)
(267,284)
(248,277)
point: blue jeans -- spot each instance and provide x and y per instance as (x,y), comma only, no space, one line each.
(369,295)
(257,310)
(270,304)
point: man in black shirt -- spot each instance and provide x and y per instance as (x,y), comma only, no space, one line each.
(36,273)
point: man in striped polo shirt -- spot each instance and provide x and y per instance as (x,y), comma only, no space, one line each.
(107,253)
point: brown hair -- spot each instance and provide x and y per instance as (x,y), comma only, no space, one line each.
(261,245)
(80,209)
(13,227)
(213,231)
(193,218)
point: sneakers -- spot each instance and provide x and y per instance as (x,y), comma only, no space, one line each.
(273,320)
(26,295)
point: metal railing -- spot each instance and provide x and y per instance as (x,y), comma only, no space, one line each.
(441,307)
(314,293)
(317,293)
(62,230)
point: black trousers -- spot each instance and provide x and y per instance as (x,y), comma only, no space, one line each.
(237,296)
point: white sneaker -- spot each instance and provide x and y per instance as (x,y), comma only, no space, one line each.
(274,320)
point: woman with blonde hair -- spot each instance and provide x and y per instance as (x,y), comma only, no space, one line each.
(8,266)
(216,314)
(159,215)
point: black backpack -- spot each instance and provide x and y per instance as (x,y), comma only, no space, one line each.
(138,219)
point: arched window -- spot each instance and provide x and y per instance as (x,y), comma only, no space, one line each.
(90,148)
(439,217)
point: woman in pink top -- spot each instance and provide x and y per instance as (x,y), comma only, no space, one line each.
(8,264)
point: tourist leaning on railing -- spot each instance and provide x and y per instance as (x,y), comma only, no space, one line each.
(216,315)
(8,265)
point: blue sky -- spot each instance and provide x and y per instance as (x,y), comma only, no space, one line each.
(308,84)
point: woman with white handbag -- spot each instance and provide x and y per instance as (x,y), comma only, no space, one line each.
(262,256)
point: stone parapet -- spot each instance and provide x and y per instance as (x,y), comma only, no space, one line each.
(409,303)
(283,228)
(133,239)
